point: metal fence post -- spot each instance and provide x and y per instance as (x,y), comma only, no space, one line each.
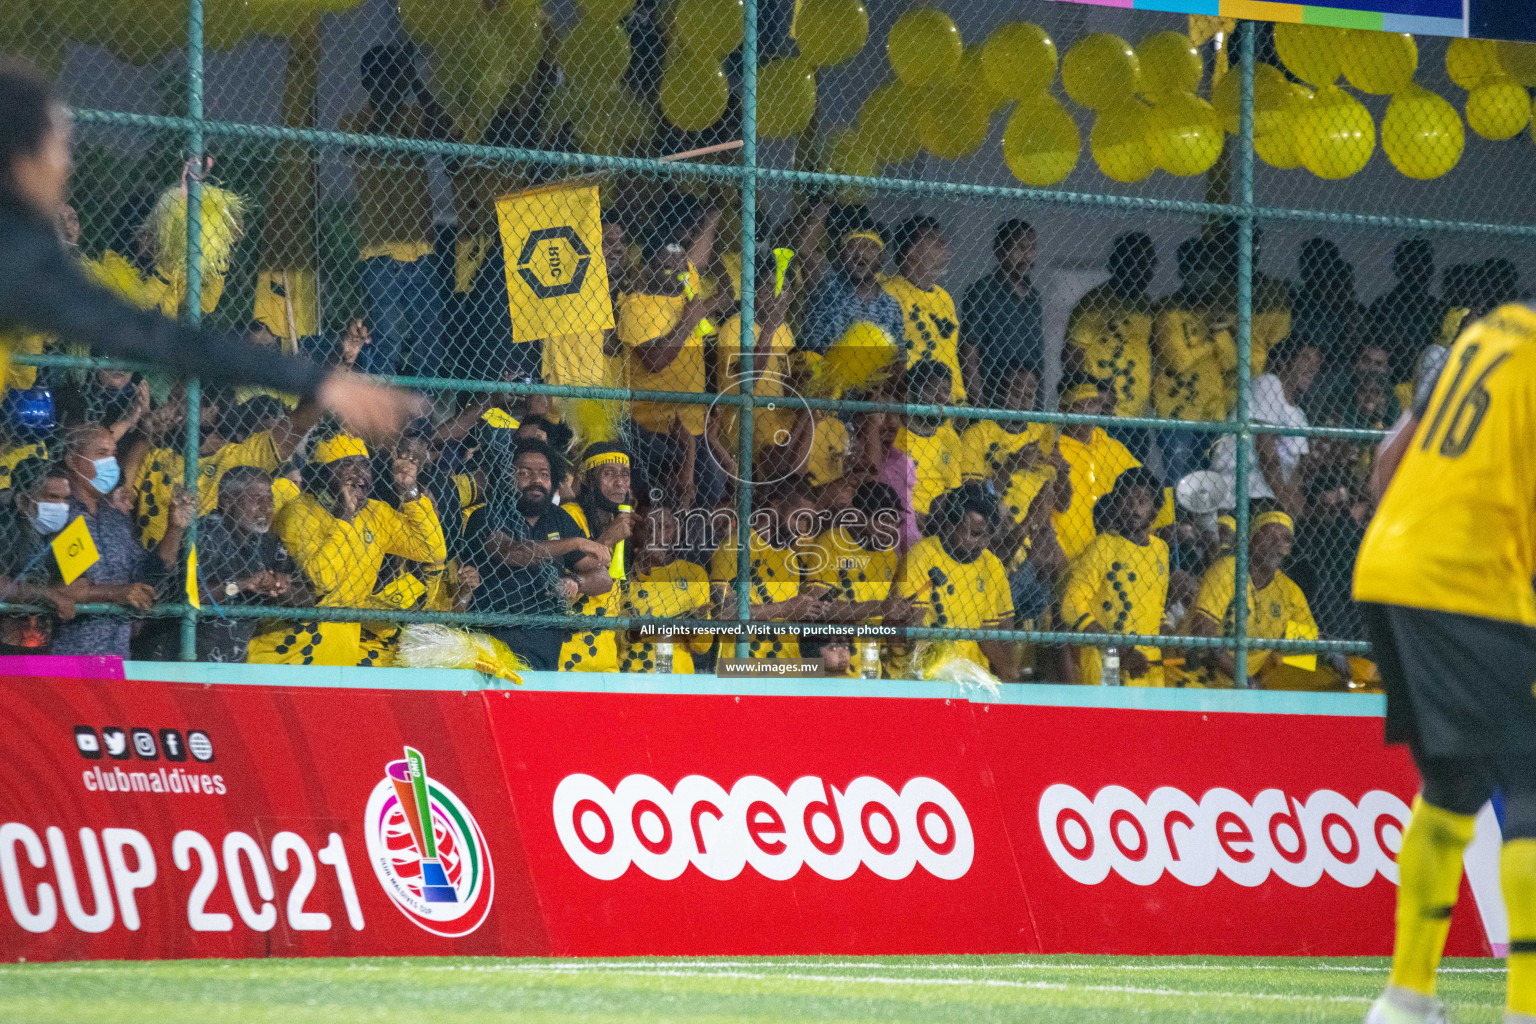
(747,363)
(194,299)
(1243,413)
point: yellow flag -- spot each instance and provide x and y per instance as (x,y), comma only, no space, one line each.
(193,597)
(557,282)
(74,550)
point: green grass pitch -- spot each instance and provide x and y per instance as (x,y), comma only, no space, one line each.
(743,990)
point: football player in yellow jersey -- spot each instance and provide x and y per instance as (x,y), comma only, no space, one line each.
(604,510)
(953,580)
(1444,577)
(930,441)
(932,323)
(774,584)
(339,536)
(1119,582)
(1277,609)
(663,586)
(1109,334)
(1094,462)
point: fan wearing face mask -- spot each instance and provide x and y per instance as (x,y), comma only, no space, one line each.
(124,573)
(38,508)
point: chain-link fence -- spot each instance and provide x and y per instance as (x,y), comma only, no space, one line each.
(987,328)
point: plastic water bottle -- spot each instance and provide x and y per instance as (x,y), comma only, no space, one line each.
(869,660)
(1109,674)
(663,657)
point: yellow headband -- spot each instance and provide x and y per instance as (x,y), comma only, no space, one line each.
(867,235)
(606,459)
(1265,519)
(342,446)
(1077,394)
(1228,521)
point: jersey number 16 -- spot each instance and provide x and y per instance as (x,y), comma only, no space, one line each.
(1471,406)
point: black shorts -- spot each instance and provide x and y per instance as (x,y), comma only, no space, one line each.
(1458,686)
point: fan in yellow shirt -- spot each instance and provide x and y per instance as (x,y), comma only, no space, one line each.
(1277,609)
(995,450)
(663,586)
(932,323)
(775,572)
(1194,343)
(603,494)
(1094,460)
(1109,334)
(856,558)
(1119,582)
(930,441)
(339,536)
(954,581)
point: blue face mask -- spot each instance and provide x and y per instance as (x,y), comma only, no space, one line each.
(50,517)
(107,474)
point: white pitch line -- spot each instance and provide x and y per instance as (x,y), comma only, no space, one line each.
(1025,966)
(982,982)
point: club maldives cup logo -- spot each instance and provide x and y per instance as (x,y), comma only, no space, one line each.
(428,850)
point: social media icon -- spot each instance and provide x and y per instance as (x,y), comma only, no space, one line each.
(115,739)
(86,741)
(200,745)
(144,745)
(170,742)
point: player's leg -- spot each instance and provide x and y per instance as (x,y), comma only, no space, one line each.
(1429,867)
(1517,876)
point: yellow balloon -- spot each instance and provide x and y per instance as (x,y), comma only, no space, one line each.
(1274,134)
(285,17)
(1380,63)
(707,28)
(1422,134)
(475,75)
(1471,62)
(786,97)
(1041,143)
(226,24)
(1311,52)
(888,119)
(606,10)
(594,55)
(1518,61)
(1121,142)
(693,92)
(924,47)
(831,31)
(848,152)
(1100,70)
(1186,134)
(973,74)
(1335,135)
(1498,108)
(952,120)
(1169,63)
(1271,91)
(1019,60)
(611,120)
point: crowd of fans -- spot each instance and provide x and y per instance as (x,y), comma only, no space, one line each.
(503,503)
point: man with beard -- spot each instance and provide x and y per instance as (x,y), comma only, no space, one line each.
(603,510)
(845,287)
(339,537)
(531,555)
(240,561)
(954,581)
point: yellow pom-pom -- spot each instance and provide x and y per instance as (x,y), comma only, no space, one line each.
(862,358)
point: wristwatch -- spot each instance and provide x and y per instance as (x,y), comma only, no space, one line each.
(231,589)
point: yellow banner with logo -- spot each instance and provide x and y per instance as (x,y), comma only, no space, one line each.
(557,282)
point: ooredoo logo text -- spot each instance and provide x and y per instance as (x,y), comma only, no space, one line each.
(427,850)
(1297,839)
(756,824)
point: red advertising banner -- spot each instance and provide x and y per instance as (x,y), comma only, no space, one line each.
(159,820)
(149,820)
